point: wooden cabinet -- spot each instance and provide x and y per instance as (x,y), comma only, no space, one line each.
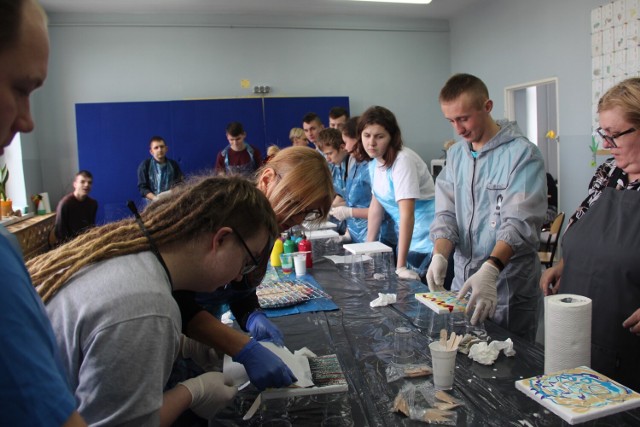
(33,233)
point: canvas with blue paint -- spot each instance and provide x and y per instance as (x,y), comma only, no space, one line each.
(580,394)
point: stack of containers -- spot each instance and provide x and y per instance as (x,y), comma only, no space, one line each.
(323,242)
(376,258)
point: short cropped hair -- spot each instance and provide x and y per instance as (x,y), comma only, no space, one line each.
(465,83)
(330,137)
(311,117)
(156,138)
(235,129)
(85,173)
(336,112)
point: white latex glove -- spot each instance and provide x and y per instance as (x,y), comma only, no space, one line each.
(209,394)
(437,272)
(407,273)
(341,212)
(203,355)
(484,295)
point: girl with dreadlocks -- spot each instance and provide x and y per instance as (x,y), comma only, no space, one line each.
(108,295)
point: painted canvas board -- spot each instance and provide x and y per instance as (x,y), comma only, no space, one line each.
(580,394)
(442,302)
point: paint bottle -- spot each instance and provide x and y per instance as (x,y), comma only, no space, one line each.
(305,246)
(275,253)
(289,246)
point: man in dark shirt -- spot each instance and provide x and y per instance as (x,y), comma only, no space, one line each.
(239,157)
(76,211)
(158,173)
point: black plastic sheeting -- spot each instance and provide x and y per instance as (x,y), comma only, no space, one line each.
(362,337)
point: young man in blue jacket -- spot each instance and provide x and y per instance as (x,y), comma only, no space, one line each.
(490,204)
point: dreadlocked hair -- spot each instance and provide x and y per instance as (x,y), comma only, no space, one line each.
(199,205)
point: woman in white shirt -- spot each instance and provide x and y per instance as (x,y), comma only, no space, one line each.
(403,187)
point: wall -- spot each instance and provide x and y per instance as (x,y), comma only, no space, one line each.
(399,65)
(507,42)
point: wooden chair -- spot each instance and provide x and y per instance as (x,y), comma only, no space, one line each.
(547,255)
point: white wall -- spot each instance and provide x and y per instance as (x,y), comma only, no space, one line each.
(401,66)
(507,42)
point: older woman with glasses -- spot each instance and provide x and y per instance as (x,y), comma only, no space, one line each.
(601,259)
(298,184)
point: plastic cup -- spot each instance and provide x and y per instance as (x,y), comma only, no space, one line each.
(383,264)
(458,323)
(437,322)
(402,345)
(287,263)
(424,318)
(357,269)
(300,264)
(444,363)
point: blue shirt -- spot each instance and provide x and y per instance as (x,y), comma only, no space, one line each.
(33,386)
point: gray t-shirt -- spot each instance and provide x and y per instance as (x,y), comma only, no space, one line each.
(118,330)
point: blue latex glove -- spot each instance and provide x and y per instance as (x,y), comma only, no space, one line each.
(264,368)
(262,329)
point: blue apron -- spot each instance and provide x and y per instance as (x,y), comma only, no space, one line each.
(358,195)
(424,214)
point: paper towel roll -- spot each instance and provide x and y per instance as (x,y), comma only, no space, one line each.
(567,332)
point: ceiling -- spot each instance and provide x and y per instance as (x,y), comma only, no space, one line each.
(438,9)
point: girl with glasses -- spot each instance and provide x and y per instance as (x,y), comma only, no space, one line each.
(298,185)
(108,294)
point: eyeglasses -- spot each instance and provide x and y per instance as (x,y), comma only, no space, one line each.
(246,269)
(610,139)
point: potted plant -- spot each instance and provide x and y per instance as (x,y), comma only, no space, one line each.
(5,203)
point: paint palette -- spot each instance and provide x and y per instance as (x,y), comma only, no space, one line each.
(284,293)
(579,394)
(443,302)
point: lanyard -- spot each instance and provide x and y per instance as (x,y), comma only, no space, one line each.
(154,249)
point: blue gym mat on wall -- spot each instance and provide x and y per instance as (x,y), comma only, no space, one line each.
(113,138)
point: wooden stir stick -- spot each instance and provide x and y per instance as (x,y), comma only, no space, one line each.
(450,341)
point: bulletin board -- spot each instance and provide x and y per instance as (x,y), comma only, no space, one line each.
(113,138)
(615,47)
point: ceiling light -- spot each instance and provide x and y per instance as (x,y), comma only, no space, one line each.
(399,1)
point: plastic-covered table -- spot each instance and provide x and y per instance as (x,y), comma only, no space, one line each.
(362,337)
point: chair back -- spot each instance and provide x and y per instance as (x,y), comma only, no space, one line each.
(548,255)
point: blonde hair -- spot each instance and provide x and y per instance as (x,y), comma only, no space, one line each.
(625,95)
(296,133)
(198,206)
(304,181)
(272,150)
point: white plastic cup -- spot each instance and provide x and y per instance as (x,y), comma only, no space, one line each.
(300,264)
(444,364)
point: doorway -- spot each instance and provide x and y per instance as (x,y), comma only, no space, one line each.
(534,105)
